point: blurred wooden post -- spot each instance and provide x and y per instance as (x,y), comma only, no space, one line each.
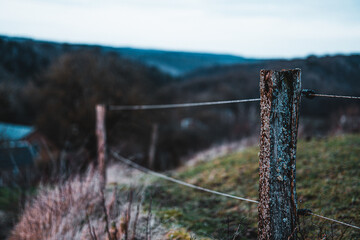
(280,98)
(101,141)
(153,141)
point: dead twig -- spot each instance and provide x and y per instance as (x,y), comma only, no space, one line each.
(148,228)
(105,213)
(135,222)
(91,229)
(128,215)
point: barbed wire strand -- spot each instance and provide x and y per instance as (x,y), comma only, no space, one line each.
(336,221)
(143,169)
(179,105)
(332,96)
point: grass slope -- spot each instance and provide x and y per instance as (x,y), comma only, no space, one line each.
(328,183)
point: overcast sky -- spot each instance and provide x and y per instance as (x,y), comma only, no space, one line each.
(251,28)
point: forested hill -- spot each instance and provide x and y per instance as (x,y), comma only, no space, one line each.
(180,63)
(329,74)
(28,56)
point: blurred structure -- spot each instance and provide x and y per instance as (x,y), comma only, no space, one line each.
(20,147)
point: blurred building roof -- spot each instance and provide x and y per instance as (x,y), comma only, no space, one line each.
(13,132)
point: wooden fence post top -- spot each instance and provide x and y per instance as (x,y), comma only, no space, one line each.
(268,76)
(294,71)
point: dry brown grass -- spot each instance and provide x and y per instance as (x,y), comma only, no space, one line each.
(60,213)
(77,209)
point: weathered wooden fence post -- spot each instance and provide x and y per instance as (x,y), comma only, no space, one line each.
(101,142)
(280,93)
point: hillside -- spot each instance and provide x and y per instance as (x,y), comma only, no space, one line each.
(322,73)
(180,63)
(327,183)
(329,74)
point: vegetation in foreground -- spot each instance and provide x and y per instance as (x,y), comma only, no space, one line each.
(327,183)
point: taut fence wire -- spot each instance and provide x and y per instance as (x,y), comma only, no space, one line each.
(178,105)
(336,221)
(148,171)
(305,92)
(308,93)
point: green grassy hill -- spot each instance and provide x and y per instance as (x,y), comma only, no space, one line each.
(328,183)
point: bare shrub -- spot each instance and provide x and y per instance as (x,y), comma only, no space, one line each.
(59,213)
(77,209)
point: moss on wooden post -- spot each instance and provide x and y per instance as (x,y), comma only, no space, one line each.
(280,93)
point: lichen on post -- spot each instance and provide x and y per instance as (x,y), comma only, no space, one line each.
(280,93)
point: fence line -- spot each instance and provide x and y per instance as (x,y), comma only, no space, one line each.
(148,171)
(263,201)
(179,105)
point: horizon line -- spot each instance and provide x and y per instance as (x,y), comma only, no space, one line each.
(142,48)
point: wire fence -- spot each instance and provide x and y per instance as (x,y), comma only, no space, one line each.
(305,92)
(174,180)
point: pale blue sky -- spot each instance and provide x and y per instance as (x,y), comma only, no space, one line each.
(257,28)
